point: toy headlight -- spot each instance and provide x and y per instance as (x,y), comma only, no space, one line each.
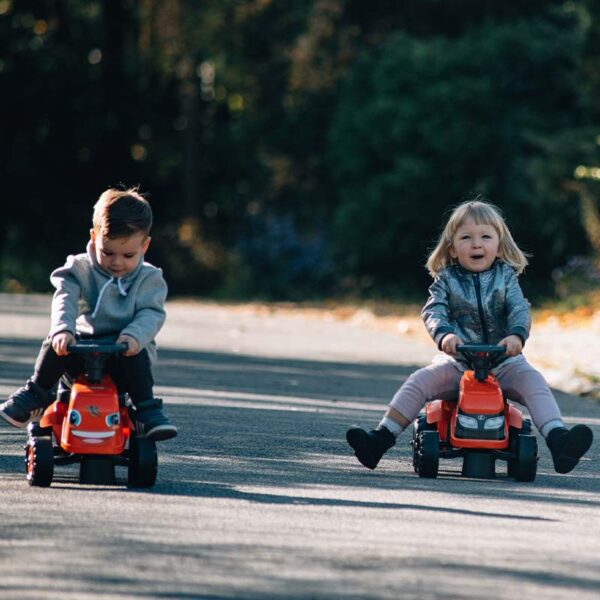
(468,422)
(494,422)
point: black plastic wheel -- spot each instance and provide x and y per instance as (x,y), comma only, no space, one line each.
(419,424)
(428,455)
(36,430)
(524,467)
(513,444)
(143,462)
(39,461)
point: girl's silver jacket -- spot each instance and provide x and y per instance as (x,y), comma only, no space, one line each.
(480,308)
(90,302)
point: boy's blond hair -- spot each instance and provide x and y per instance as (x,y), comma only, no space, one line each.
(121,213)
(482,213)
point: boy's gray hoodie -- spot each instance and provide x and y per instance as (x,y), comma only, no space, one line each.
(90,302)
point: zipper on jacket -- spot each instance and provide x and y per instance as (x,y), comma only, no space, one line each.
(484,328)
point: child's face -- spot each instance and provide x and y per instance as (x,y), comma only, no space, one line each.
(475,246)
(119,256)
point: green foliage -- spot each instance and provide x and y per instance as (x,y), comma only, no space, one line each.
(294,148)
(423,122)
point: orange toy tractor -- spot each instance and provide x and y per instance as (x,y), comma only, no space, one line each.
(480,428)
(92,426)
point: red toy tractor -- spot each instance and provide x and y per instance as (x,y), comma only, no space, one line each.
(91,425)
(480,428)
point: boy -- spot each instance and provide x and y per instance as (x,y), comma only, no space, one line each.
(108,292)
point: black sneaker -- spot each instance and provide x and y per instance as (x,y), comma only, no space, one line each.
(25,405)
(567,446)
(151,422)
(370,447)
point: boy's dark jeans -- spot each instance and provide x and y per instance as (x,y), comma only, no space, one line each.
(132,374)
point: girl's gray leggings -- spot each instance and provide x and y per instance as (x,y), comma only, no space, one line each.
(517,378)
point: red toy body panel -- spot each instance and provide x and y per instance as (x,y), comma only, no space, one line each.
(475,397)
(53,417)
(514,417)
(94,423)
(483,397)
(440,413)
(480,398)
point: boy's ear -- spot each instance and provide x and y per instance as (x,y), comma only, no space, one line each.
(146,244)
(92,235)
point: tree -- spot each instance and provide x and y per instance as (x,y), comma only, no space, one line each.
(422,122)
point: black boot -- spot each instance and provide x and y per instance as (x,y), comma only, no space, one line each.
(25,405)
(151,422)
(567,446)
(370,447)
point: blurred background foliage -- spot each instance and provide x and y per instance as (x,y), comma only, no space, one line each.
(298,149)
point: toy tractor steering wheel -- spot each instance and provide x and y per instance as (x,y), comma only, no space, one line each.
(481,357)
(95,355)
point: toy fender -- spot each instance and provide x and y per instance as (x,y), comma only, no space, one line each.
(439,413)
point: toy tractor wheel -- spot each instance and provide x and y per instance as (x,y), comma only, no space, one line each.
(513,435)
(527,427)
(420,424)
(36,430)
(427,458)
(143,462)
(524,466)
(39,461)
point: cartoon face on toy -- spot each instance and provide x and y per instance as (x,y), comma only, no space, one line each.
(91,425)
(94,423)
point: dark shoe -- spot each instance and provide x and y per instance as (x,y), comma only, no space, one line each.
(370,447)
(26,404)
(567,446)
(151,422)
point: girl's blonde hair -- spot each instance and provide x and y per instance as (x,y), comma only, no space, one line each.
(482,213)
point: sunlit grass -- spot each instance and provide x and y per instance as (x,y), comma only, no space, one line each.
(573,310)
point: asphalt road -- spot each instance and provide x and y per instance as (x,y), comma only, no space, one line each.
(259,497)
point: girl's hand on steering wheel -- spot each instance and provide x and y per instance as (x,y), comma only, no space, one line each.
(513,344)
(449,344)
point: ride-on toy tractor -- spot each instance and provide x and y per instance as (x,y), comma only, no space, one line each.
(91,425)
(481,427)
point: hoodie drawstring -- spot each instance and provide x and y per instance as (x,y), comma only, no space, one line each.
(120,286)
(102,290)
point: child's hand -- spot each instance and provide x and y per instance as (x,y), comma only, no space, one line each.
(513,344)
(132,346)
(61,342)
(449,344)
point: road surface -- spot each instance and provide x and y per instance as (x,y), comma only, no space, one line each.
(259,496)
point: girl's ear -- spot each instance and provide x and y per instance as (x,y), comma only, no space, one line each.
(452,252)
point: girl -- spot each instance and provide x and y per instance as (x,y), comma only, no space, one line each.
(475,299)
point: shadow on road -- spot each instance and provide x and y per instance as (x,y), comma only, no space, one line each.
(271,430)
